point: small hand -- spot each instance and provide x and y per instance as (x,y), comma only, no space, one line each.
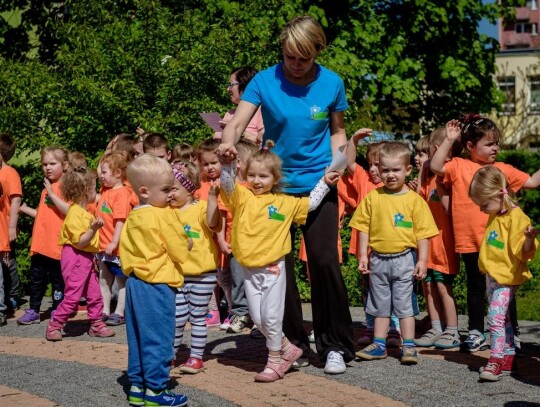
(413,184)
(48,186)
(140,131)
(363,264)
(331,177)
(531,232)
(361,134)
(453,130)
(420,271)
(226,153)
(12,234)
(214,187)
(111,247)
(96,224)
(224,246)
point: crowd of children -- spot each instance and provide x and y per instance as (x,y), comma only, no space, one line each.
(170,226)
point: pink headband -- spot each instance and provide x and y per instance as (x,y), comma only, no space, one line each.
(182,179)
(504,191)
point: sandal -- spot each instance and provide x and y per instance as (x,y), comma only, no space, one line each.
(269,377)
(289,357)
(115,320)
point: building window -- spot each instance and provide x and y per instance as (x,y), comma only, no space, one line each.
(534,101)
(533,5)
(507,85)
(526,28)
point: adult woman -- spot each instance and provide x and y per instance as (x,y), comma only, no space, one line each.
(302,107)
(238,81)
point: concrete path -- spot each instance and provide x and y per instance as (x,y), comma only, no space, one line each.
(83,371)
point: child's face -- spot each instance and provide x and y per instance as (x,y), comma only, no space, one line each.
(53,168)
(210,166)
(485,150)
(394,171)
(259,178)
(109,178)
(179,195)
(492,205)
(159,153)
(374,170)
(420,158)
(158,192)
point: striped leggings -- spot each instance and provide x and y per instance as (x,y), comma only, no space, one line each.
(192,305)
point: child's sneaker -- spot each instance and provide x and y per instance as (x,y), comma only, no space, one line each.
(165,398)
(98,329)
(226,322)
(428,339)
(372,352)
(3,319)
(54,331)
(115,320)
(212,319)
(136,396)
(238,324)
(394,339)
(447,340)
(509,365)
(366,338)
(474,343)
(409,356)
(192,366)
(30,317)
(492,372)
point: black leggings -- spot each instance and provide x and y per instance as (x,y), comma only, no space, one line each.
(43,270)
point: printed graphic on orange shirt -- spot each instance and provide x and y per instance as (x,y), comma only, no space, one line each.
(400,222)
(434,196)
(492,240)
(105,208)
(48,201)
(274,214)
(191,233)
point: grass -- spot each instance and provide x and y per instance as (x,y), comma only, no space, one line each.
(529,306)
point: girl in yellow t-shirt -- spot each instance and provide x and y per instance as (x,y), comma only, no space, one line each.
(260,239)
(508,242)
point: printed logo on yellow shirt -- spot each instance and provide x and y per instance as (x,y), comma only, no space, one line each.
(189,233)
(105,208)
(316,113)
(48,200)
(274,214)
(492,240)
(400,222)
(434,196)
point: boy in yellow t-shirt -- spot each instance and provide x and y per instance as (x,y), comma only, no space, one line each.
(394,222)
(152,246)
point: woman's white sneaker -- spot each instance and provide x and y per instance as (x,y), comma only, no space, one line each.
(334,363)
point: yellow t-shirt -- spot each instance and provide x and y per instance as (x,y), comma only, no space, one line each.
(501,251)
(261,223)
(153,245)
(394,222)
(203,256)
(76,223)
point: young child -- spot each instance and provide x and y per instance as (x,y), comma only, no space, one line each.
(508,242)
(10,202)
(260,241)
(80,240)
(45,251)
(183,152)
(199,218)
(480,139)
(443,262)
(152,246)
(113,207)
(156,144)
(393,222)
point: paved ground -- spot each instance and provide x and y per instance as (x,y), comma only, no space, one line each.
(83,371)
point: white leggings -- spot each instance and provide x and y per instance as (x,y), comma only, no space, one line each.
(265,293)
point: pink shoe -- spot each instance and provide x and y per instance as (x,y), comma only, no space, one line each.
(289,357)
(212,318)
(276,373)
(54,331)
(193,366)
(98,329)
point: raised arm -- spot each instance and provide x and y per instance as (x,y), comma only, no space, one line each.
(533,181)
(27,210)
(322,188)
(453,134)
(60,204)
(352,145)
(213,215)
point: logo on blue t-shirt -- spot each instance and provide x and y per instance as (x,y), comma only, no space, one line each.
(492,240)
(400,222)
(274,214)
(316,114)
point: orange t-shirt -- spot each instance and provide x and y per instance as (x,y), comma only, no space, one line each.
(114,205)
(352,188)
(442,256)
(10,182)
(47,226)
(468,221)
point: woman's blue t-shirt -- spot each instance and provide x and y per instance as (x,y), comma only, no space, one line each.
(297,119)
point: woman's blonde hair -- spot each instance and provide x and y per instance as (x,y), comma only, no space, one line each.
(270,160)
(490,182)
(303,36)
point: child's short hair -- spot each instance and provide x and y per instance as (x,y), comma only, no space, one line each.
(246,147)
(373,150)
(154,141)
(7,146)
(438,135)
(243,75)
(490,182)
(183,152)
(208,146)
(117,161)
(75,184)
(187,170)
(77,160)
(474,127)
(396,149)
(59,152)
(270,161)
(143,170)
(422,145)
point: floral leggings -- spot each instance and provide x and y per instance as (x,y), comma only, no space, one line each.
(500,328)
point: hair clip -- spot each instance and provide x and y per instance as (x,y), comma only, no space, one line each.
(504,191)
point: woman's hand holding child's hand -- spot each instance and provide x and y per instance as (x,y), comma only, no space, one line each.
(331,177)
(226,153)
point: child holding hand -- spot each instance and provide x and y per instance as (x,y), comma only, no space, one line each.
(508,243)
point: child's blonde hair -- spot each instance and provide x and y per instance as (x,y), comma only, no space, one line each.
(77,160)
(187,173)
(270,160)
(183,152)
(373,149)
(396,149)
(144,169)
(207,146)
(59,152)
(422,145)
(490,182)
(117,161)
(76,183)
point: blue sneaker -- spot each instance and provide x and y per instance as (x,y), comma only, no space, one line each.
(165,398)
(30,317)
(372,352)
(136,396)
(474,343)
(409,356)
